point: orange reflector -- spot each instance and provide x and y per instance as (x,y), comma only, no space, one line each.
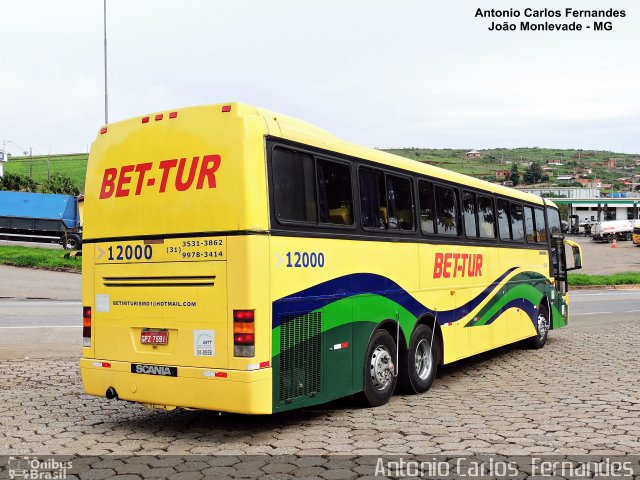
(243,327)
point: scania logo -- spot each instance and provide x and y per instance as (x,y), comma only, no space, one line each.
(154,370)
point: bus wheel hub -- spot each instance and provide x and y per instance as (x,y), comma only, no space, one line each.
(381,368)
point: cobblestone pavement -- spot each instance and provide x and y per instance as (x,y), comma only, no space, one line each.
(578,395)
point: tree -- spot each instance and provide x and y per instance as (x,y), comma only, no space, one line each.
(515,176)
(60,183)
(17,183)
(533,173)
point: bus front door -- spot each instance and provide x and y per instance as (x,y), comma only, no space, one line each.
(559,259)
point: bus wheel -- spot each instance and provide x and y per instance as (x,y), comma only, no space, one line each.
(379,370)
(419,370)
(543,328)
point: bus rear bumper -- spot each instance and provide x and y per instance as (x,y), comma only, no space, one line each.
(235,391)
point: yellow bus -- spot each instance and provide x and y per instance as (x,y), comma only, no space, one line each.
(240,260)
(636,234)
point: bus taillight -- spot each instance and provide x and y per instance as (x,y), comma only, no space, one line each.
(244,333)
(86,326)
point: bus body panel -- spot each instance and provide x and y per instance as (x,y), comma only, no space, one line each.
(184,299)
(171,188)
(203,157)
(229,391)
(360,286)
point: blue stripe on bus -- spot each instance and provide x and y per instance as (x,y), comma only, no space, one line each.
(318,296)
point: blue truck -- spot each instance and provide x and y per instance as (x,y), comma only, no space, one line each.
(40,217)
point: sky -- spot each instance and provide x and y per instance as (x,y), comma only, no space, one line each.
(409,73)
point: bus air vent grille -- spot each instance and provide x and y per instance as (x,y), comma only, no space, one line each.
(300,355)
(168,281)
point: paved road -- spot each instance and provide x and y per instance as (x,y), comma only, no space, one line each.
(59,320)
(31,283)
(600,308)
(578,395)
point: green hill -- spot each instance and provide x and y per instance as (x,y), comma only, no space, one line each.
(485,166)
(74,166)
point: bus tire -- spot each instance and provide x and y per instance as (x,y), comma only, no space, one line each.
(379,369)
(542,328)
(419,368)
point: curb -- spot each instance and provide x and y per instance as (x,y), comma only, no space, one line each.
(630,286)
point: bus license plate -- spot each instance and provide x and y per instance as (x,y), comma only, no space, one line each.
(154,337)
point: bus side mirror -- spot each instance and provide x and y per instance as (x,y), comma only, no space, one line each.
(577,255)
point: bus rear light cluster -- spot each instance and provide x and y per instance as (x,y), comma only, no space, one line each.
(86,326)
(244,338)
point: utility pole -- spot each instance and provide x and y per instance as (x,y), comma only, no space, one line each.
(30,163)
(106,97)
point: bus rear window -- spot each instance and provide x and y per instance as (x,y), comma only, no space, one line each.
(294,186)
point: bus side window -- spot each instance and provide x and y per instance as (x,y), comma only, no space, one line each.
(503,219)
(294,186)
(541,228)
(554,221)
(427,209)
(469,214)
(486,217)
(334,193)
(373,204)
(446,214)
(517,222)
(529,225)
(399,202)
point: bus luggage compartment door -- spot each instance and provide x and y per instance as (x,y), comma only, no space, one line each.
(172,313)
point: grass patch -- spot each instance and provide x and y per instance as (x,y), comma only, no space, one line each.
(625,278)
(74,166)
(46,258)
